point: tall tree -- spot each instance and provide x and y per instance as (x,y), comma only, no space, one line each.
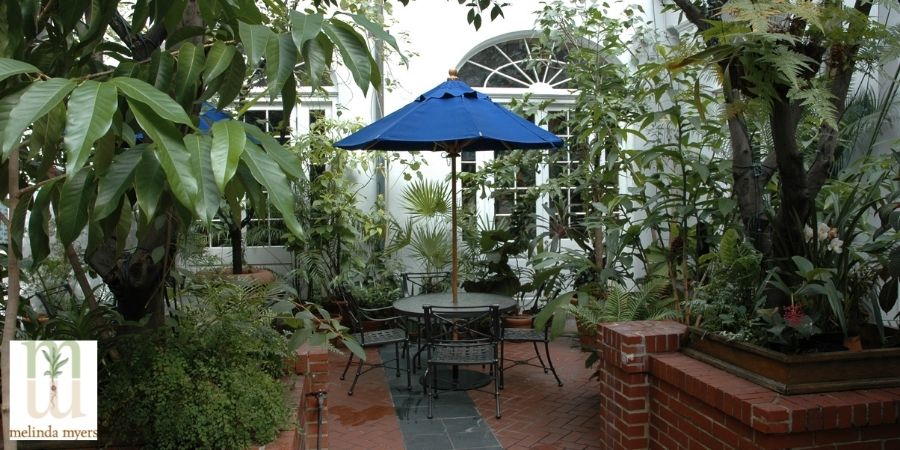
(786,70)
(98,123)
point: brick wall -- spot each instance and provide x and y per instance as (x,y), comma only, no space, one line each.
(312,365)
(311,368)
(652,396)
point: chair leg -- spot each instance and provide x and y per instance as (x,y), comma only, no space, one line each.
(550,362)
(538,353)
(408,375)
(397,352)
(497,386)
(429,391)
(502,347)
(359,367)
(349,361)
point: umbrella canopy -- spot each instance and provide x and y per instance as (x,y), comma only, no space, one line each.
(452,117)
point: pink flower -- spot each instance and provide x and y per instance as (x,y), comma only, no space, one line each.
(794,315)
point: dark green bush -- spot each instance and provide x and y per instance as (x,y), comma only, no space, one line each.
(211,382)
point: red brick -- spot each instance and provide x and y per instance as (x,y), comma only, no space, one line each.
(765,440)
(726,435)
(836,436)
(881,432)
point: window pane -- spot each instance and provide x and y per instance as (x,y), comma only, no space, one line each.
(503,202)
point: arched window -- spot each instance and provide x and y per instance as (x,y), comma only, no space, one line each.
(507,68)
(516,63)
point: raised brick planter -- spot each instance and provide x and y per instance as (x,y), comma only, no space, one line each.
(311,368)
(652,396)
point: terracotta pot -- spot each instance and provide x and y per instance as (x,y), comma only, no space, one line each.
(518,321)
(587,338)
(253,274)
(853,344)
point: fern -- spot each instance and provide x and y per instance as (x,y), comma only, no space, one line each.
(789,65)
(818,102)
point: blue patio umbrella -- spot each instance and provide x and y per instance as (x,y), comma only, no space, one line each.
(451,117)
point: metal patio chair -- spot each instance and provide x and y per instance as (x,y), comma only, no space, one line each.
(534,336)
(461,336)
(391,333)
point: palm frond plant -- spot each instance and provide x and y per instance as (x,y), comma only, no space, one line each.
(426,199)
(425,233)
(430,246)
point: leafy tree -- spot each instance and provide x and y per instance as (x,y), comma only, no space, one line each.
(785,69)
(98,129)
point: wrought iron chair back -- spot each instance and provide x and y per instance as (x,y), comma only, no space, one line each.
(532,335)
(386,331)
(415,283)
(460,336)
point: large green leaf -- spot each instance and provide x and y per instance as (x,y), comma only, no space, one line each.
(10,67)
(254,38)
(289,162)
(160,103)
(317,54)
(218,60)
(6,106)
(162,68)
(305,27)
(170,150)
(44,144)
(38,224)
(208,195)
(232,82)
(149,180)
(37,100)
(281,56)
(91,109)
(190,66)
(288,102)
(115,181)
(17,221)
(353,49)
(376,30)
(72,208)
(228,142)
(267,173)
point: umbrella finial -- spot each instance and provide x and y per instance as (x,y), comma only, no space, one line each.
(453,75)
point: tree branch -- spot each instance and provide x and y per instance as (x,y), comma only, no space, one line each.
(693,14)
(841,64)
(141,45)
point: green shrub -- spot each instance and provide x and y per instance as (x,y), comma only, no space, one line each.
(211,382)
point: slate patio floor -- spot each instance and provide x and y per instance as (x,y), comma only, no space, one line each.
(537,414)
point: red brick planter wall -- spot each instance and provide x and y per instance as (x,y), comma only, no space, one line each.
(311,366)
(652,396)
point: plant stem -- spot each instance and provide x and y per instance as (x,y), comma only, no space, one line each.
(12,299)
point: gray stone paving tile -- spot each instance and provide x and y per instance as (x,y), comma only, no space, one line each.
(456,424)
(428,442)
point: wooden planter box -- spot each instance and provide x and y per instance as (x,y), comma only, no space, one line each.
(797,374)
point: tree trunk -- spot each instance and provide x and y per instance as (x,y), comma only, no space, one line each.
(237,247)
(12,298)
(136,280)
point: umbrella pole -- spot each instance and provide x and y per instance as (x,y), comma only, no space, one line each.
(454,269)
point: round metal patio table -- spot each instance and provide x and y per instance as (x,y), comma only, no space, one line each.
(412,306)
(456,380)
